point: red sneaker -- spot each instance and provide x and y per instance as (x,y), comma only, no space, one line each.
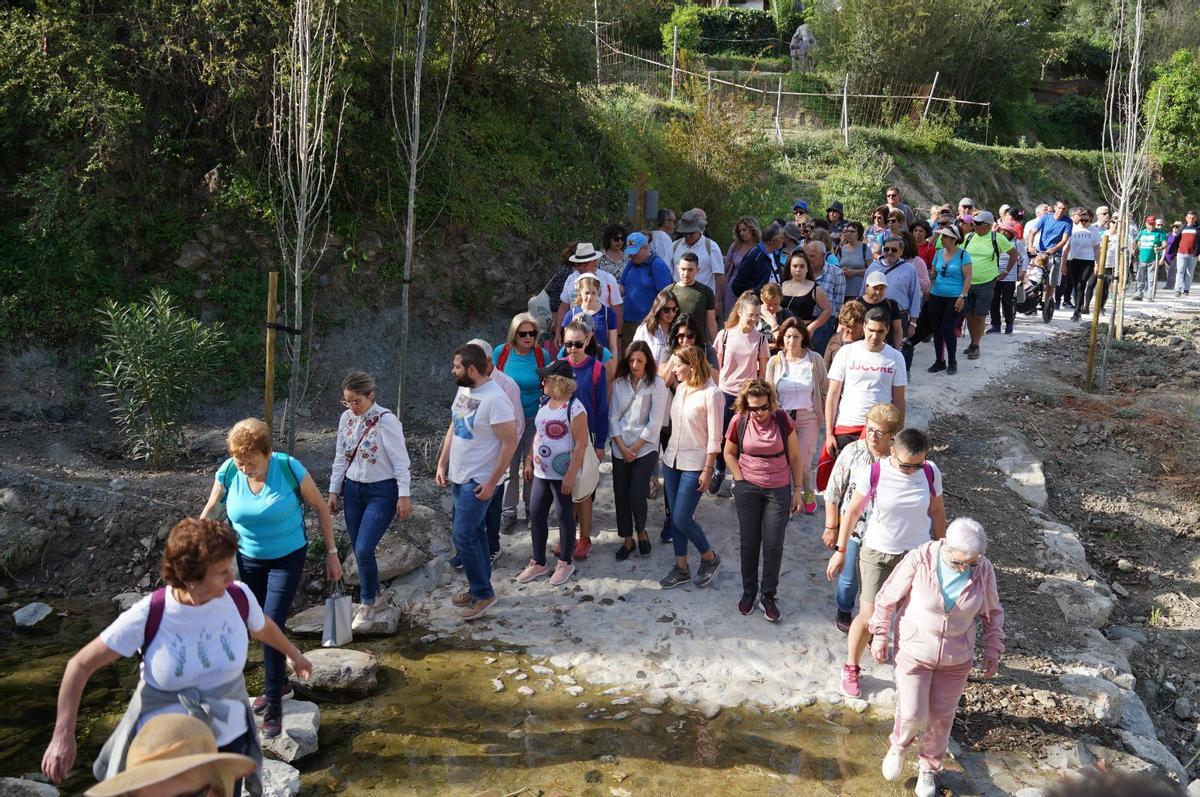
(583,547)
(850,687)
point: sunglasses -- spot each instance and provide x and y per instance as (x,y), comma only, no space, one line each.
(573,344)
(878,218)
(963,565)
(671,310)
(892,249)
(756,408)
(686,336)
(527,333)
(909,466)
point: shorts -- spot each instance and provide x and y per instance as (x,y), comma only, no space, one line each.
(874,567)
(979,299)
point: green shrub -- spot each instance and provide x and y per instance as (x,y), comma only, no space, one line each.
(685,19)
(736,30)
(153,364)
(1175,95)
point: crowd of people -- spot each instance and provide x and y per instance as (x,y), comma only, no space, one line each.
(772,372)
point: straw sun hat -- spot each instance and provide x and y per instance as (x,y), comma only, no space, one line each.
(170,745)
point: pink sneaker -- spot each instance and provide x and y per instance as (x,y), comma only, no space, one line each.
(850,687)
(561,573)
(532,570)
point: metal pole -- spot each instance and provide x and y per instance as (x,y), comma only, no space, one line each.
(596,28)
(929,101)
(987,124)
(269,371)
(778,106)
(674,54)
(639,201)
(708,92)
(1122,276)
(846,110)
(1099,292)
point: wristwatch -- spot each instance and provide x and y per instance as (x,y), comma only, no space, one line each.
(841,549)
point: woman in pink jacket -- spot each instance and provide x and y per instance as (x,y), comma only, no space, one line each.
(938,589)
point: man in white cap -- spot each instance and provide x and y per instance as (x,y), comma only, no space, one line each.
(986,248)
(585,259)
(708,253)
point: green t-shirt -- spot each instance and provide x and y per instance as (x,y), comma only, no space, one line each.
(1147,242)
(984,267)
(696,300)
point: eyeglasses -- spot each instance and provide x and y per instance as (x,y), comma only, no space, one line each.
(358,402)
(895,250)
(878,218)
(573,344)
(877,433)
(757,408)
(527,333)
(961,565)
(893,196)
(669,309)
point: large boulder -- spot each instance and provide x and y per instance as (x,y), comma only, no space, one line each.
(407,545)
(32,615)
(1023,470)
(301,721)
(340,671)
(311,622)
(279,779)
(20,787)
(1088,604)
(1103,696)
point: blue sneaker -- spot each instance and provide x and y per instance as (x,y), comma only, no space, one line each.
(456,562)
(665,536)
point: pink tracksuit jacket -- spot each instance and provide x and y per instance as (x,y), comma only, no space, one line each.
(927,633)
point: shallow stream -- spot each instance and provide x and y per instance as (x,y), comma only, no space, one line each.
(437,726)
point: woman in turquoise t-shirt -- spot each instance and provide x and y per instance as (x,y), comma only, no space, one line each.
(520,358)
(947,297)
(264,496)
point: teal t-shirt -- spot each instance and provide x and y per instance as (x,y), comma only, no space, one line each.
(951,581)
(948,276)
(523,370)
(271,524)
(1147,241)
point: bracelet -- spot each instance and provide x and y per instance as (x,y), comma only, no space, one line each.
(841,549)
(831,528)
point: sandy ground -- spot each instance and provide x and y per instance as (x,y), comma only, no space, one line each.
(615,626)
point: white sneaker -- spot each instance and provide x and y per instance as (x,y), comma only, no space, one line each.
(532,570)
(562,572)
(364,617)
(926,783)
(893,763)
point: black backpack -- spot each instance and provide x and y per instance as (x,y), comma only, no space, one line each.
(780,421)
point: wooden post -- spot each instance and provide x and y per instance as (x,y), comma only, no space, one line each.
(929,101)
(596,28)
(1099,271)
(674,54)
(269,377)
(1118,332)
(708,92)
(639,202)
(778,107)
(846,110)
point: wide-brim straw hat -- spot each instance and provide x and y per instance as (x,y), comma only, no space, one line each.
(170,745)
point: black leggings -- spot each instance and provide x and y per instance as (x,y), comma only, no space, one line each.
(241,746)
(943,319)
(631,487)
(543,492)
(1081,276)
(1003,298)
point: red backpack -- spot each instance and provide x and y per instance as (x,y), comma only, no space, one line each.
(539,354)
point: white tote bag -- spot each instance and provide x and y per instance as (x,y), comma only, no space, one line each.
(539,308)
(337,617)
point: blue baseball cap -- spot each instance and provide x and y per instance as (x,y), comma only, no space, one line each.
(800,204)
(635,242)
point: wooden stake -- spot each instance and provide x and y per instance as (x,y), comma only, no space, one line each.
(1091,357)
(639,202)
(269,377)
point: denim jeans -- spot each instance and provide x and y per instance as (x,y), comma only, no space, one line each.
(726,417)
(546,492)
(684,497)
(274,583)
(1185,270)
(369,508)
(821,337)
(516,482)
(847,585)
(469,533)
(1147,273)
(763,514)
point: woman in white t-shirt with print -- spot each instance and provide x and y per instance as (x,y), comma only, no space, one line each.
(907,508)
(742,352)
(553,463)
(197,630)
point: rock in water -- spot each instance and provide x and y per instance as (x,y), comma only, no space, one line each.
(279,779)
(301,721)
(29,616)
(20,787)
(311,622)
(340,670)
(406,548)
(126,600)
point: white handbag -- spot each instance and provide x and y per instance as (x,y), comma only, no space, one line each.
(337,631)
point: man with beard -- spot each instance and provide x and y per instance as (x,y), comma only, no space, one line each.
(475,454)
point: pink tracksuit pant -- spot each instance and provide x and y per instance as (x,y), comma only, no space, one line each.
(926,699)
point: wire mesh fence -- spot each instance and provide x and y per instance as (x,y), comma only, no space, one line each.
(783,103)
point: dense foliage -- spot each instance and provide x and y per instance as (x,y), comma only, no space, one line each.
(731,31)
(1174,101)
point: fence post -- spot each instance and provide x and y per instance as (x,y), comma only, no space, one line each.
(269,369)
(778,107)
(846,110)
(929,101)
(708,90)
(987,124)
(596,28)
(674,52)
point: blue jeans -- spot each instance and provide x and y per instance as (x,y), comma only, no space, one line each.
(847,585)
(369,508)
(469,534)
(241,746)
(683,496)
(274,583)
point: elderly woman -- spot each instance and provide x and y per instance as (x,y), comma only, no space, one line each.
(265,495)
(192,636)
(850,322)
(939,589)
(520,357)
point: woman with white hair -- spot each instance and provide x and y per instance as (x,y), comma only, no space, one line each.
(942,586)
